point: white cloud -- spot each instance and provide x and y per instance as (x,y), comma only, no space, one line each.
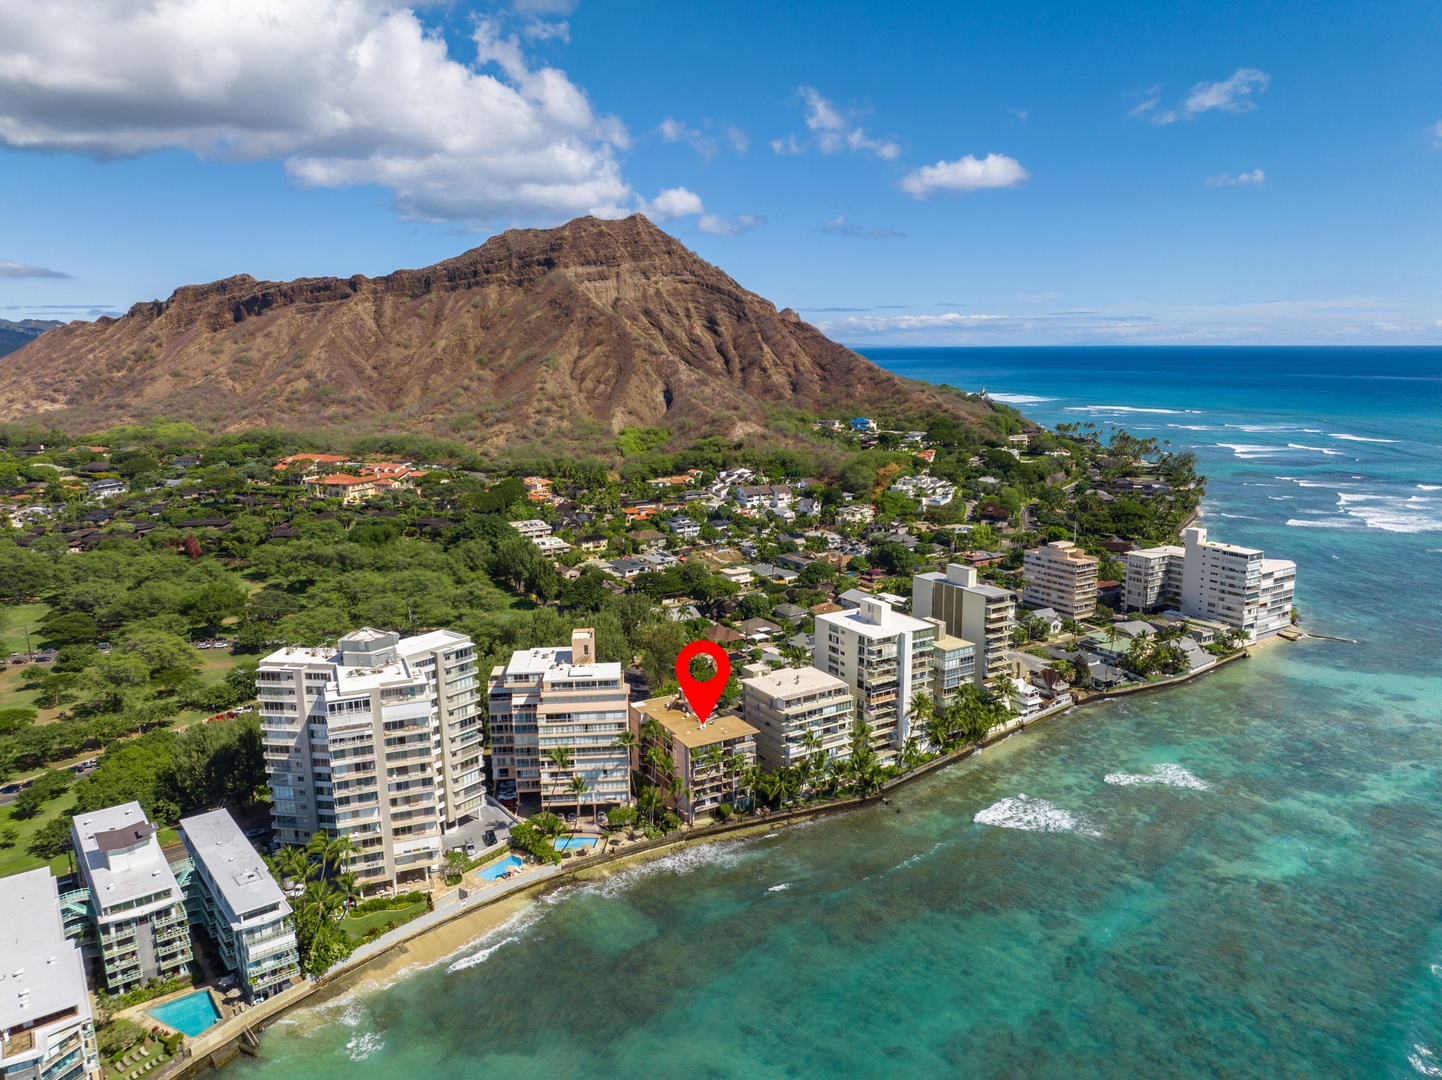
(10,269)
(672,203)
(673,130)
(833,131)
(738,139)
(1436,132)
(965,174)
(720,226)
(1234,94)
(346,92)
(839,226)
(1255,178)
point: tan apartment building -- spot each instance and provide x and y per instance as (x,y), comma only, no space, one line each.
(709,759)
(560,698)
(1061,575)
(1154,578)
(795,708)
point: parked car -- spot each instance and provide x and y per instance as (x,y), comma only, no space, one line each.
(490,838)
(10,789)
(602,820)
(470,850)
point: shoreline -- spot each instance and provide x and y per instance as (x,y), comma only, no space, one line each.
(449,931)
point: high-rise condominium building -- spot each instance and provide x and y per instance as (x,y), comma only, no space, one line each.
(1154,578)
(796,709)
(1060,575)
(231,895)
(136,906)
(982,614)
(376,739)
(953,665)
(1236,585)
(560,699)
(710,760)
(46,1028)
(884,657)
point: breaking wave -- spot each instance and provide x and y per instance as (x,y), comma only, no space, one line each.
(1033,815)
(1170,775)
(1356,438)
(1019,399)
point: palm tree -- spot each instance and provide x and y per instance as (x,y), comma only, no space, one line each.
(560,761)
(578,787)
(626,740)
(291,863)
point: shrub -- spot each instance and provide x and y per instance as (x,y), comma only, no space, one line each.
(723,812)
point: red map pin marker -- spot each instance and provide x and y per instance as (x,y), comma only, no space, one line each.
(702,694)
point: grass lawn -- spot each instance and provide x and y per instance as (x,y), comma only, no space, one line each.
(355,929)
(15,859)
(15,619)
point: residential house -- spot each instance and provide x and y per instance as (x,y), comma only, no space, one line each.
(684,528)
(532,528)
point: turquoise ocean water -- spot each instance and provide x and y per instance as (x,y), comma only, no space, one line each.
(1240,878)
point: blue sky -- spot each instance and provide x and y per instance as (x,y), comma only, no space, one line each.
(929,174)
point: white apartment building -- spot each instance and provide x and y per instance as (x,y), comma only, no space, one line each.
(982,614)
(1060,575)
(1154,578)
(566,699)
(136,906)
(884,657)
(1236,585)
(46,1028)
(231,895)
(376,739)
(532,529)
(788,706)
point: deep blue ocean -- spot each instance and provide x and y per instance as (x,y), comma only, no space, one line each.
(1238,878)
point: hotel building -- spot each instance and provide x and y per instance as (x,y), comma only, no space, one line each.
(136,906)
(560,698)
(1060,575)
(787,706)
(709,759)
(376,739)
(231,895)
(982,614)
(46,1028)
(884,657)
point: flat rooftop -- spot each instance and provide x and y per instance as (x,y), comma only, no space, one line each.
(240,875)
(42,972)
(793,682)
(137,873)
(673,715)
(555,663)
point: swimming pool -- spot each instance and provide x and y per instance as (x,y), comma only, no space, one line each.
(571,843)
(495,870)
(190,1014)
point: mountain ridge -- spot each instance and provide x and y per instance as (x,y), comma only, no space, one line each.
(536,335)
